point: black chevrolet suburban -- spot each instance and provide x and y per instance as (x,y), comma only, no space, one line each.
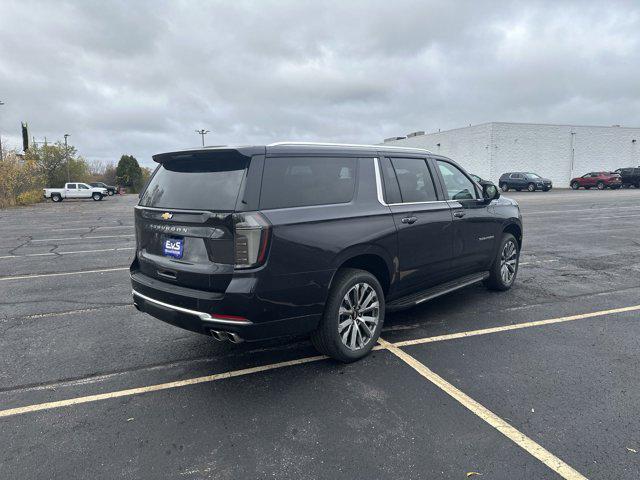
(248,243)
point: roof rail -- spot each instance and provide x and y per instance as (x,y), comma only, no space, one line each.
(386,147)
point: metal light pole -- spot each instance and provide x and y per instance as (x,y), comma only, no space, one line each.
(66,154)
(202,133)
(1,154)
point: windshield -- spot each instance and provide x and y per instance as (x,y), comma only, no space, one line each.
(196,182)
(533,175)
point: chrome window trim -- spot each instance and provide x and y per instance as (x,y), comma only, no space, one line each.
(376,164)
(202,315)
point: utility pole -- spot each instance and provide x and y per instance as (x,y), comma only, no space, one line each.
(66,154)
(1,154)
(202,133)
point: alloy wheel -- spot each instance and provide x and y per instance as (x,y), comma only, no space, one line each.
(508,262)
(359,314)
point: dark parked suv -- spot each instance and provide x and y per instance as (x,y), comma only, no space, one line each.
(321,239)
(524,181)
(629,176)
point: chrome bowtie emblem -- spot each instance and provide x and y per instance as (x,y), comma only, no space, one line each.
(166,216)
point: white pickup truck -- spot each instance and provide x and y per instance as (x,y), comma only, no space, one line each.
(75,190)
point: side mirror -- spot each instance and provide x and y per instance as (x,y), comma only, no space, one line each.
(489,191)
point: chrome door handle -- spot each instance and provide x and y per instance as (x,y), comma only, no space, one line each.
(410,220)
(459,213)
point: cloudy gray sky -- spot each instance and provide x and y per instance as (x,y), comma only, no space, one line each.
(139,77)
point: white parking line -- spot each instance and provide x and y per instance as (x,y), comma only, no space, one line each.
(536,262)
(525,213)
(22,277)
(67,253)
(513,434)
(88,228)
(82,238)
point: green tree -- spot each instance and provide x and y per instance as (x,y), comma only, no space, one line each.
(129,173)
(51,163)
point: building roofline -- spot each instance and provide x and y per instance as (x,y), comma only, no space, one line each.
(533,124)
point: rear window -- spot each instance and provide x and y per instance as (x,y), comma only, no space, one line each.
(197,182)
(305,181)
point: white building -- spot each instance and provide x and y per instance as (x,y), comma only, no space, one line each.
(558,152)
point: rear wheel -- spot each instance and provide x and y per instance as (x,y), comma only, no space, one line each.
(531,187)
(56,197)
(600,185)
(353,316)
(505,266)
(504,187)
(111,193)
(96,196)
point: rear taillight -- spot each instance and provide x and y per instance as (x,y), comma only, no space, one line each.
(252,232)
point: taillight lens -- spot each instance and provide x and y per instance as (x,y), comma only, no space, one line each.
(252,232)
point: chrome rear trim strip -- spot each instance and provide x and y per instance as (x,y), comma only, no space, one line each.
(202,315)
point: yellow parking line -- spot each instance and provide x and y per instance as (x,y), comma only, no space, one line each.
(518,326)
(519,438)
(154,388)
(263,368)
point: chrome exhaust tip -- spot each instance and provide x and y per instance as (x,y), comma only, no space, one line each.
(226,336)
(235,338)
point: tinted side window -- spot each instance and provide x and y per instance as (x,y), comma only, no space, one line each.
(304,181)
(458,186)
(414,179)
(392,190)
(72,186)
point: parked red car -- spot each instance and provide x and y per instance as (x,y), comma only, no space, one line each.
(599,180)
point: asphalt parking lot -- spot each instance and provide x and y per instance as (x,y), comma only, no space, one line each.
(539,382)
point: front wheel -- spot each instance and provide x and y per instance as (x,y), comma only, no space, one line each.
(504,187)
(575,185)
(96,196)
(505,266)
(111,193)
(353,316)
(56,198)
(531,187)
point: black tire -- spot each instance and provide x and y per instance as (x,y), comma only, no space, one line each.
(327,338)
(496,281)
(96,197)
(600,186)
(56,197)
(111,193)
(504,187)
(531,187)
(575,185)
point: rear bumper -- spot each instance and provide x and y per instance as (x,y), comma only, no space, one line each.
(249,316)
